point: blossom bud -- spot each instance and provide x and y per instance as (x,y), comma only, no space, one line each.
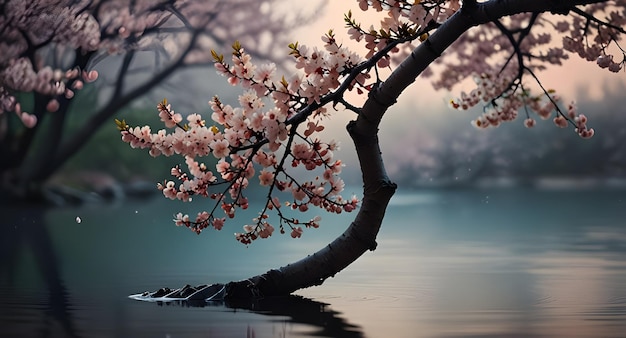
(604,61)
(296,232)
(29,120)
(560,122)
(90,76)
(123,32)
(72,73)
(57,75)
(52,106)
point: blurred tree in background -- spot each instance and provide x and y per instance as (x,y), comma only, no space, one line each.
(52,48)
(448,154)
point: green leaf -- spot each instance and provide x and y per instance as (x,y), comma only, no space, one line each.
(121,125)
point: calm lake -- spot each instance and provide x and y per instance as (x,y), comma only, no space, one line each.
(450,263)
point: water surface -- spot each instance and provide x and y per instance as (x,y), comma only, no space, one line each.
(455,263)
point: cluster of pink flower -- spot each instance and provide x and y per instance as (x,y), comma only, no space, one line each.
(322,68)
(595,44)
(562,119)
(265,230)
(405,21)
(419,13)
(505,108)
(48,45)
(250,137)
(26,28)
(19,75)
(202,221)
(500,85)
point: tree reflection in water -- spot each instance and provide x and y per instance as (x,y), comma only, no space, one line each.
(24,230)
(299,310)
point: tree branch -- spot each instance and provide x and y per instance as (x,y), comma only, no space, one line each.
(596,20)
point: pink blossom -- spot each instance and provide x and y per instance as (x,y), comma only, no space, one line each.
(266,178)
(560,122)
(615,67)
(586,133)
(355,34)
(29,120)
(52,106)
(267,230)
(301,151)
(218,223)
(604,61)
(202,217)
(296,232)
(181,220)
(337,186)
(298,194)
(168,116)
(90,76)
(220,148)
(328,174)
(264,159)
(265,73)
(170,190)
(294,84)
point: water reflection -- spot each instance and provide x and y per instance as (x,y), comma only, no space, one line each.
(322,320)
(24,232)
(449,264)
(532,264)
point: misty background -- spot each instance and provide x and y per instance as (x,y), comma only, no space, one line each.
(424,142)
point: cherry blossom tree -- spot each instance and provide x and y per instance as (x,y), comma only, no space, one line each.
(51,49)
(270,136)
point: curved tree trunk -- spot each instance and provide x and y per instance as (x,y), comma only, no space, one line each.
(378,189)
(334,257)
(345,249)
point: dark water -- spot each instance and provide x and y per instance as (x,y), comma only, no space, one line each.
(501,263)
